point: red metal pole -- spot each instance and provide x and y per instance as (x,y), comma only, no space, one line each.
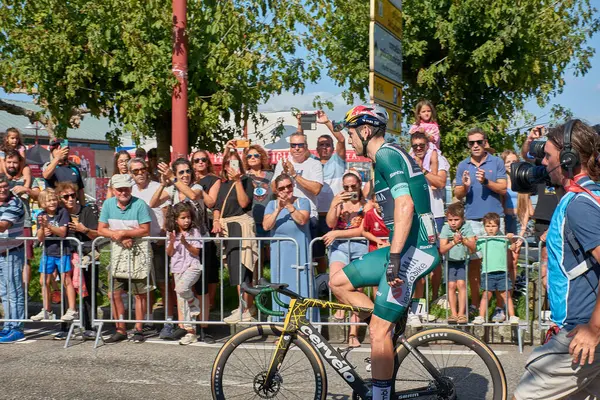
(179,120)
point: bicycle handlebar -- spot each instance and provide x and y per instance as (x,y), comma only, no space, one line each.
(262,292)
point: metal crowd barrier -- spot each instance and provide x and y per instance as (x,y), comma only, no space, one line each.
(150,284)
(522,324)
(25,288)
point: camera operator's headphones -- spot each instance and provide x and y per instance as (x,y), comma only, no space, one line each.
(569,157)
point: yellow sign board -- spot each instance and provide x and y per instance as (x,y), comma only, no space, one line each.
(394,124)
(388,14)
(384,91)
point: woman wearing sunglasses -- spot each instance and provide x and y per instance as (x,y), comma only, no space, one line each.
(288,216)
(233,218)
(206,177)
(256,163)
(345,218)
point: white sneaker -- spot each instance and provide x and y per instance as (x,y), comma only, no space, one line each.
(514,320)
(236,311)
(478,320)
(235,318)
(188,339)
(499,315)
(194,309)
(429,317)
(70,315)
(43,315)
(414,321)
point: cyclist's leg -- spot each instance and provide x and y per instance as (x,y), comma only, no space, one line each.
(366,271)
(392,303)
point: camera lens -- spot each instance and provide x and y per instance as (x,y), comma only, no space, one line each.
(536,149)
(525,176)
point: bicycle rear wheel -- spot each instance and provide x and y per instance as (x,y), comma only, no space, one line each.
(240,368)
(469,367)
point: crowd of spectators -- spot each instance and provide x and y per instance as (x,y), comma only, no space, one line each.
(303,197)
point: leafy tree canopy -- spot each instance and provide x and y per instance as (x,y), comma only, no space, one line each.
(479,62)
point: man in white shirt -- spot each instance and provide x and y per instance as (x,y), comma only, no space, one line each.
(144,189)
(306,172)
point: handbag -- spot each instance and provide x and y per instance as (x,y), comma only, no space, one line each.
(134,263)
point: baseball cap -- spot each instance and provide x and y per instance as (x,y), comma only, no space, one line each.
(55,142)
(121,181)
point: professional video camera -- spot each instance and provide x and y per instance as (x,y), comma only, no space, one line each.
(525,176)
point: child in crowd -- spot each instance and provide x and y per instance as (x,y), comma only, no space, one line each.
(457,240)
(374,228)
(494,277)
(53,222)
(426,122)
(13,141)
(185,263)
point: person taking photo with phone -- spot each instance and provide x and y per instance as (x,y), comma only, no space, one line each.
(59,169)
(233,218)
(345,218)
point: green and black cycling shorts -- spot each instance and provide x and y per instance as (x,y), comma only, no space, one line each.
(370,270)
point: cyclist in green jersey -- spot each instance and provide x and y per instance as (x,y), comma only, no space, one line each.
(403,195)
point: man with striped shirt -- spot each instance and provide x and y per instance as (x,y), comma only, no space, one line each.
(12,218)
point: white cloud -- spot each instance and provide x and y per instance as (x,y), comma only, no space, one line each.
(287,100)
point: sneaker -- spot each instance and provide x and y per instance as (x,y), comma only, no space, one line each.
(235,318)
(479,320)
(514,320)
(138,337)
(236,311)
(12,337)
(207,338)
(61,335)
(88,335)
(189,338)
(429,317)
(178,333)
(195,309)
(70,315)
(4,332)
(166,333)
(115,338)
(473,311)
(499,315)
(414,321)
(44,314)
(148,330)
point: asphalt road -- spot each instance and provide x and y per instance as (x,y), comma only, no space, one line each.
(40,368)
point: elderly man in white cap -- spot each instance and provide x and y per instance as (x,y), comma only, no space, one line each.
(124,219)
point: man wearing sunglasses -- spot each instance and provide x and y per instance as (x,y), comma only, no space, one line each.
(305,170)
(59,169)
(481,181)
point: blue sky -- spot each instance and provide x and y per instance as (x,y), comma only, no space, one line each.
(581,94)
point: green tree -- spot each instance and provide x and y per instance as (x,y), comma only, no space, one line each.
(478,61)
(113,58)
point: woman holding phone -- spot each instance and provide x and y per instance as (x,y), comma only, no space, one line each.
(289,216)
(232,216)
(345,218)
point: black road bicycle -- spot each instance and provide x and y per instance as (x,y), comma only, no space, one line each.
(267,361)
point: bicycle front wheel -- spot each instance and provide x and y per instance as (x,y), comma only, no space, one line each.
(469,368)
(241,366)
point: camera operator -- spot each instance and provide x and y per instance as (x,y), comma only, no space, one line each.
(568,363)
(548,196)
